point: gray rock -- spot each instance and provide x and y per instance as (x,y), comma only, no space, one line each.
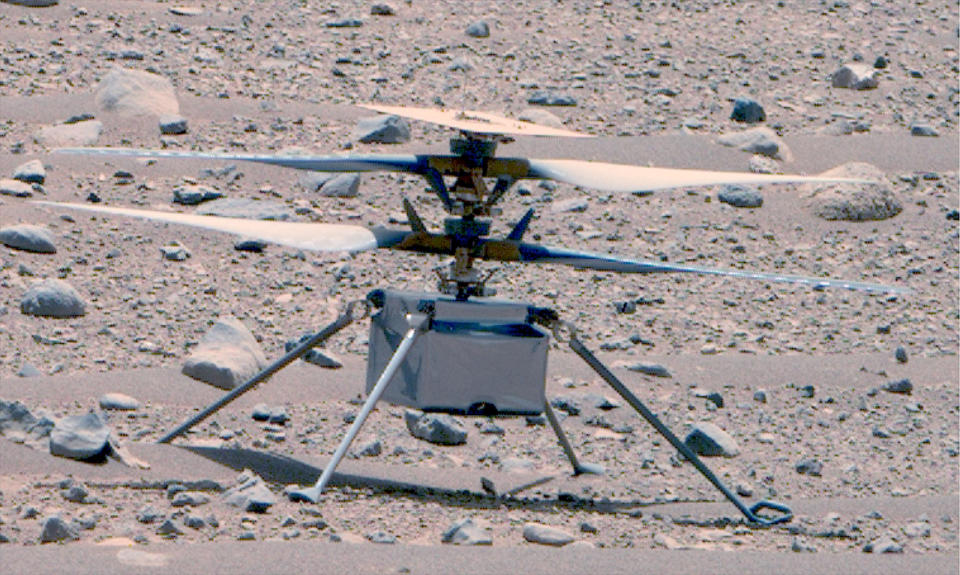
(194,194)
(52,298)
(923,131)
(567,404)
(713,396)
(546,535)
(478,29)
(760,396)
(466,532)
(709,440)
(227,355)
(540,116)
(883,545)
(854,77)
(85,133)
(370,449)
(245,208)
(517,465)
(854,202)
(250,245)
(760,140)
(807,391)
(438,428)
(251,494)
(118,402)
(261,412)
(176,252)
(740,197)
(149,515)
(169,529)
(748,111)
(382,538)
(137,93)
(345,23)
(383,130)
(904,386)
(917,529)
(901,354)
(759,164)
(55,530)
(382,10)
(21,426)
(319,358)
(73,492)
(654,369)
(80,437)
(191,498)
(572,205)
(172,125)
(28,238)
(551,98)
(31,172)
(15,188)
(809,466)
(28,370)
(342,186)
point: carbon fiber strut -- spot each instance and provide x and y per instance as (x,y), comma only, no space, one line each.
(751,513)
(345,319)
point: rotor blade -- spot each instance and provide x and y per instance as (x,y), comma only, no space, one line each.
(346,163)
(625,178)
(543,254)
(473,121)
(301,235)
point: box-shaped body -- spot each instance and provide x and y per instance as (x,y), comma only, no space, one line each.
(477,356)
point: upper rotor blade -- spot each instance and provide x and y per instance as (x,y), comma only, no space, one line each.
(301,235)
(543,254)
(474,122)
(625,178)
(347,163)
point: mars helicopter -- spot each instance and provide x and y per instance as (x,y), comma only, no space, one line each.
(460,350)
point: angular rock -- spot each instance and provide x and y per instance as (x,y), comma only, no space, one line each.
(900,354)
(191,498)
(709,440)
(31,172)
(854,77)
(478,29)
(172,125)
(760,140)
(653,369)
(883,545)
(84,133)
(550,98)
(923,131)
(382,538)
(383,130)
(52,298)
(854,202)
(540,116)
(81,437)
(740,197)
(169,529)
(251,495)
(466,532)
(904,386)
(250,245)
(342,186)
(319,358)
(21,426)
(245,208)
(546,535)
(370,449)
(28,238)
(227,355)
(438,428)
(176,252)
(137,93)
(193,194)
(382,10)
(568,404)
(118,402)
(809,466)
(572,205)
(55,530)
(15,188)
(713,396)
(748,111)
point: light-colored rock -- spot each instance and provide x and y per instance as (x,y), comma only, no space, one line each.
(760,140)
(172,125)
(466,532)
(855,201)
(31,172)
(709,440)
(55,530)
(15,188)
(740,197)
(118,402)
(383,129)
(80,437)
(546,535)
(19,425)
(227,355)
(438,428)
(478,29)
(85,133)
(540,116)
(251,494)
(52,298)
(28,238)
(137,93)
(855,77)
(341,186)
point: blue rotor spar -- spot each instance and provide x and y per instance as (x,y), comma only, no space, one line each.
(471,162)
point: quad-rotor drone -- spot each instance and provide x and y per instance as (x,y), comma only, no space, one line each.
(459,350)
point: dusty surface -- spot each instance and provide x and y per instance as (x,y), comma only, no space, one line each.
(656,84)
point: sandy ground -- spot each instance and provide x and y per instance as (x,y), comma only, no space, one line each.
(655,83)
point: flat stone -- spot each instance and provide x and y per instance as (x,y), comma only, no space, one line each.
(246,208)
(250,245)
(15,188)
(382,10)
(227,355)
(567,404)
(31,172)
(438,428)
(652,369)
(761,140)
(546,535)
(541,117)
(341,186)
(550,98)
(883,545)
(923,131)
(572,205)
(85,133)
(137,93)
(172,125)
(382,538)
(33,3)
(28,238)
(80,437)
(709,440)
(118,402)
(52,298)
(466,532)
(383,130)
(195,194)
(904,386)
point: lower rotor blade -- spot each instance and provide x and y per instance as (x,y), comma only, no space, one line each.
(624,178)
(543,254)
(301,235)
(352,163)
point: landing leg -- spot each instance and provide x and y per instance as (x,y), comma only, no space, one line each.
(312,494)
(578,468)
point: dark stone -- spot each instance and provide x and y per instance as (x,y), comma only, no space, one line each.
(438,428)
(568,404)
(740,197)
(478,29)
(748,111)
(383,130)
(904,386)
(809,466)
(28,238)
(546,98)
